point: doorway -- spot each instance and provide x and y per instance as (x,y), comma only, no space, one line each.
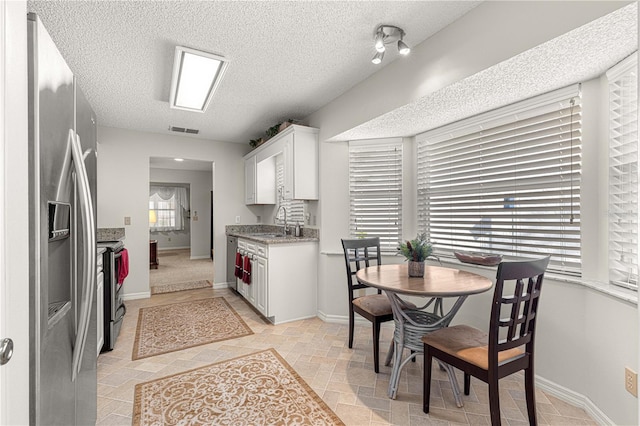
(180,224)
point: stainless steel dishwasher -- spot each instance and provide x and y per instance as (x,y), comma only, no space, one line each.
(232,247)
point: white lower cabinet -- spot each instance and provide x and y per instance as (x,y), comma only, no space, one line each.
(284,279)
(260,285)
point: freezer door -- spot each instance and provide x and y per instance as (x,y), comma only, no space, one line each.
(86,380)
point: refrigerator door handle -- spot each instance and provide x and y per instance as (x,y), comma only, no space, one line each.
(89,257)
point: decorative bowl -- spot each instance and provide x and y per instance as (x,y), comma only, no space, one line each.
(485,259)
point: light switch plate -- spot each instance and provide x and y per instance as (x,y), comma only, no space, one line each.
(127,220)
(237,219)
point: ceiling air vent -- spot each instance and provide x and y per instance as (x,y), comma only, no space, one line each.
(183,130)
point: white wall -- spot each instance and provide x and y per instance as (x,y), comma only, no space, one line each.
(123,190)
(199,230)
(578,324)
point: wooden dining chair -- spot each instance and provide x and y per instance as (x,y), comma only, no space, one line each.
(362,253)
(506,349)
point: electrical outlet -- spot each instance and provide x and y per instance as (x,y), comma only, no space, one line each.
(127,220)
(237,219)
(631,381)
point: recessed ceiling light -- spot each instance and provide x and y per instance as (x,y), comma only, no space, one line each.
(196,76)
(179,159)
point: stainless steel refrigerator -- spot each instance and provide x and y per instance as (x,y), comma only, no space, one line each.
(62,163)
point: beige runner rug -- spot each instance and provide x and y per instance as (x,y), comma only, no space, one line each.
(256,389)
(188,285)
(169,328)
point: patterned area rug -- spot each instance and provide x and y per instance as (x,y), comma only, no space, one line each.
(169,328)
(256,389)
(189,285)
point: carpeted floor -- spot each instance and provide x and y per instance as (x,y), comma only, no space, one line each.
(256,389)
(177,326)
(177,271)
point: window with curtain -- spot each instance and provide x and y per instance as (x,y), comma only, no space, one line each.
(507,182)
(623,173)
(168,207)
(375,191)
(295,208)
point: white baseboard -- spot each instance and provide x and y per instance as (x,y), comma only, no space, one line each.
(206,256)
(173,248)
(573,398)
(341,319)
(220,286)
(133,296)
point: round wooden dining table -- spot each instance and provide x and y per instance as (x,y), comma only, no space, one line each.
(413,322)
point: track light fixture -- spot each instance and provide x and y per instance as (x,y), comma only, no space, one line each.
(388,34)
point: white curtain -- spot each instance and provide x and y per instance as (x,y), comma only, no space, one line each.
(170,204)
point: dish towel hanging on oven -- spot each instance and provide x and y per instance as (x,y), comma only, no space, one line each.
(238,270)
(246,273)
(123,267)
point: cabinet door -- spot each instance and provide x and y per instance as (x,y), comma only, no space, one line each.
(250,289)
(100,311)
(261,285)
(289,164)
(250,180)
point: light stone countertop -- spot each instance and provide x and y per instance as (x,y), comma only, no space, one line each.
(265,234)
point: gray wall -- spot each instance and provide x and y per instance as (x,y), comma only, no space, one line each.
(126,192)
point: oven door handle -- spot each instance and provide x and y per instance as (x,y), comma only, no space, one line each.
(88,257)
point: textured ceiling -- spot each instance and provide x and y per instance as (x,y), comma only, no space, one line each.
(577,56)
(287,58)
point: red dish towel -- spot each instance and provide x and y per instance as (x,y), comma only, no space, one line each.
(238,271)
(123,267)
(246,273)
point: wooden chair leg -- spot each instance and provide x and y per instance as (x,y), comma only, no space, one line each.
(467,383)
(376,346)
(351,321)
(426,380)
(494,402)
(530,393)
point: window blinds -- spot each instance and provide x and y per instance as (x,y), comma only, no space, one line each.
(623,173)
(375,191)
(295,208)
(507,181)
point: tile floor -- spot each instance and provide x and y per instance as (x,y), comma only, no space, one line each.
(318,351)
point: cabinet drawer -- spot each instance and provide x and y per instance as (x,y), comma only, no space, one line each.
(242,244)
(251,248)
(261,250)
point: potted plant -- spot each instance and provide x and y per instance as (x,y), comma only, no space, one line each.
(416,252)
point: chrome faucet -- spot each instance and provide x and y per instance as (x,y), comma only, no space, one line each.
(285,229)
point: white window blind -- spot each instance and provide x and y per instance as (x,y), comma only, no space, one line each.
(623,172)
(375,191)
(507,181)
(295,208)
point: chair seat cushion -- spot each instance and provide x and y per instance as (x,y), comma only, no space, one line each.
(467,343)
(376,304)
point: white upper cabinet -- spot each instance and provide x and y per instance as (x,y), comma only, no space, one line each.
(299,147)
(250,180)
